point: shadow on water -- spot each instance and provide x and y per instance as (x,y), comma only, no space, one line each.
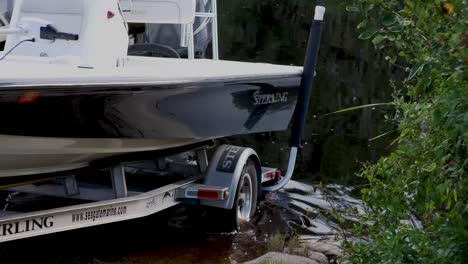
(182,234)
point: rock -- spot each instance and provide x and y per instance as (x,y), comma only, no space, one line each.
(317,256)
(282,258)
(331,240)
(305,252)
(325,248)
(301,251)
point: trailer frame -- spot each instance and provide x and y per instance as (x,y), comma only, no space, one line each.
(117,202)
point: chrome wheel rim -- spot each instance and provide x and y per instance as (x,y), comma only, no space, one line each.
(244,204)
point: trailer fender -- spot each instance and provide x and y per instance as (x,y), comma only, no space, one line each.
(225,170)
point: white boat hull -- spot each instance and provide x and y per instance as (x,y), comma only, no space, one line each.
(21,156)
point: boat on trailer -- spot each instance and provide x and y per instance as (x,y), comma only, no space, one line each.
(70,94)
(75,103)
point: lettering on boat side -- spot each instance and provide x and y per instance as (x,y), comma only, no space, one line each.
(269,98)
(29,225)
(229,159)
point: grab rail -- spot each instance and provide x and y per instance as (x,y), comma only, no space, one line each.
(188,32)
(302,107)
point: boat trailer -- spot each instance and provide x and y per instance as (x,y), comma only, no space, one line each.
(119,202)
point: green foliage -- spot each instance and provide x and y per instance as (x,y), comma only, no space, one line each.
(277,242)
(280,242)
(294,243)
(417,196)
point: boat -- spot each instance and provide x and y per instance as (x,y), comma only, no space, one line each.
(71,95)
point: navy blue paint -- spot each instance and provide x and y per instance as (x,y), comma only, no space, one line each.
(180,111)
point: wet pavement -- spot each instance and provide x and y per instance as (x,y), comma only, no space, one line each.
(183,235)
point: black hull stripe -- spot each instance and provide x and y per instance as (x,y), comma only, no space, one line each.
(198,110)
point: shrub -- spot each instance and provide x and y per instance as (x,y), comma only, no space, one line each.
(417,196)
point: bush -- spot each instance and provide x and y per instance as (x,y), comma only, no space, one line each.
(417,196)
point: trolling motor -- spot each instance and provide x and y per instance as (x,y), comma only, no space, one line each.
(302,107)
(49,32)
(34,28)
(37,30)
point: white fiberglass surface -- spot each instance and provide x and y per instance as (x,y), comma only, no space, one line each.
(27,70)
(33,155)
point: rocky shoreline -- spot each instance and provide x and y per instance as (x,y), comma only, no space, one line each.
(274,230)
(321,252)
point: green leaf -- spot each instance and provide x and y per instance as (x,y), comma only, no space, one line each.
(368,33)
(405,22)
(437,116)
(388,20)
(391,37)
(352,9)
(416,68)
(430,168)
(378,39)
(395,29)
(358,107)
(362,24)
(383,135)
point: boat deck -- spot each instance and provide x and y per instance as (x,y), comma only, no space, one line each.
(16,70)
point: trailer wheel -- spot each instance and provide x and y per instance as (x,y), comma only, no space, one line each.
(245,202)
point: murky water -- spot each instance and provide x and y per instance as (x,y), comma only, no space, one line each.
(180,235)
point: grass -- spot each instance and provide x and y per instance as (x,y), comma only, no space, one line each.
(294,242)
(277,242)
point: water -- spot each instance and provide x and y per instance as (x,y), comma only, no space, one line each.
(180,235)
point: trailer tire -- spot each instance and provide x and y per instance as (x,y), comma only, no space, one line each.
(245,202)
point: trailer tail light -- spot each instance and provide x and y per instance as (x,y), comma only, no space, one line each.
(279,175)
(271,175)
(203,192)
(208,194)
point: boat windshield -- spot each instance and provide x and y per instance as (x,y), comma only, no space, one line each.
(172,35)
